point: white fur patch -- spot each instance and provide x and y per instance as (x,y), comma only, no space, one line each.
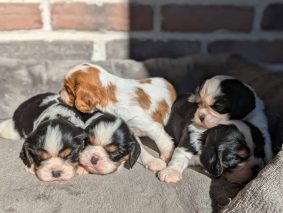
(49,99)
(97,115)
(258,118)
(53,140)
(195,134)
(104,131)
(8,131)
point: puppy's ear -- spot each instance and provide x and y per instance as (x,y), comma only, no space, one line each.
(135,151)
(85,100)
(211,162)
(26,155)
(240,96)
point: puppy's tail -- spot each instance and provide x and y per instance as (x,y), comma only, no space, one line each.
(8,131)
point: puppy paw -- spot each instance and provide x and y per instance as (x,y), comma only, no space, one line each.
(166,156)
(155,164)
(81,171)
(170,175)
(30,170)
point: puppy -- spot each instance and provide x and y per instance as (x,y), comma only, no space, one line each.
(234,149)
(224,98)
(110,145)
(53,134)
(137,102)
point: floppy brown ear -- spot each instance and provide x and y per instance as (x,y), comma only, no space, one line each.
(26,155)
(135,151)
(85,100)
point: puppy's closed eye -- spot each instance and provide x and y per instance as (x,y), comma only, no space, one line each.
(65,152)
(42,154)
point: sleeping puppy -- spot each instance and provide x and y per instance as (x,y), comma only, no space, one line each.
(53,134)
(138,102)
(224,98)
(234,149)
(110,145)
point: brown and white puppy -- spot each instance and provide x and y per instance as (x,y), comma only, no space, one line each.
(144,104)
(234,149)
(223,98)
(53,134)
(110,145)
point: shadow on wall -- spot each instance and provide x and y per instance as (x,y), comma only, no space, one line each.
(171,30)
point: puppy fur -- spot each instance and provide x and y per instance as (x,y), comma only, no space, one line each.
(144,104)
(224,98)
(110,145)
(234,149)
(53,134)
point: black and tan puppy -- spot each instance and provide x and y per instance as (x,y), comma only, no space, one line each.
(234,149)
(111,145)
(53,134)
(223,98)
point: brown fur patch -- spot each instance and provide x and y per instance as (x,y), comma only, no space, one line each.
(111,148)
(92,139)
(43,154)
(64,153)
(85,90)
(172,91)
(109,95)
(145,81)
(159,114)
(143,98)
(244,153)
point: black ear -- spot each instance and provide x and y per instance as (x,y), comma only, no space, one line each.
(26,155)
(211,162)
(240,96)
(135,151)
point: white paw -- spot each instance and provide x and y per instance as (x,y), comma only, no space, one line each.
(155,164)
(30,170)
(81,171)
(170,175)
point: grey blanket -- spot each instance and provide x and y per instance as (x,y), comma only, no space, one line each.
(135,190)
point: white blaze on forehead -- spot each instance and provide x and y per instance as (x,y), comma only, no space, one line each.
(104,131)
(211,87)
(53,140)
(80,67)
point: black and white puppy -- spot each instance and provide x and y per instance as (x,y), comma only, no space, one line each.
(111,145)
(234,149)
(53,133)
(224,98)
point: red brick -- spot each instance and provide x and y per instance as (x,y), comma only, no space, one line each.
(17,16)
(262,51)
(191,18)
(83,16)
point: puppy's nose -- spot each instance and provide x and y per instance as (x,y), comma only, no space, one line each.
(94,160)
(56,173)
(201,117)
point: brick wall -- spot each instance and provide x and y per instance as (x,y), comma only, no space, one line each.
(141,29)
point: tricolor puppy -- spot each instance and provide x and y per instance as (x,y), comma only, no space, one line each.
(234,149)
(224,98)
(53,134)
(110,145)
(144,104)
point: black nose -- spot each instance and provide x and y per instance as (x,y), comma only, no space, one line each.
(94,160)
(56,174)
(201,117)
